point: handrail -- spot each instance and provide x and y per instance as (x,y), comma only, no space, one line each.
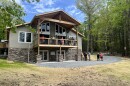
(51,41)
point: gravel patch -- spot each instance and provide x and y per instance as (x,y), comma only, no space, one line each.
(75,64)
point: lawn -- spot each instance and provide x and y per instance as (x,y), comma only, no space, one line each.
(22,74)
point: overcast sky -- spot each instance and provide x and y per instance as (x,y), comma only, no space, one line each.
(34,8)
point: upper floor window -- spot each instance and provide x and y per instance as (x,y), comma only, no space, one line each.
(25,37)
(60,30)
(45,27)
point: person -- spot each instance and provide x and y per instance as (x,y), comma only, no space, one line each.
(42,39)
(98,56)
(101,56)
(85,56)
(89,56)
(62,40)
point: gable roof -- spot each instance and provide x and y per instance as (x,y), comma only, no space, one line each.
(53,14)
(56,15)
(19,25)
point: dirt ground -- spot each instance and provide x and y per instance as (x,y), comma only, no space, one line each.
(116,74)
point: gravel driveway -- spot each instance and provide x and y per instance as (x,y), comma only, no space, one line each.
(74,64)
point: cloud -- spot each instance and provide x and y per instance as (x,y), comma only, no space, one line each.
(45,6)
(76,13)
(18,2)
(46,9)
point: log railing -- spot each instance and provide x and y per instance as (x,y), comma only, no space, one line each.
(49,41)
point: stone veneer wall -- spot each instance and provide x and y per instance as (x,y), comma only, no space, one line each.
(71,54)
(21,54)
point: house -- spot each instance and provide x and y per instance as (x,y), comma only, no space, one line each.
(55,38)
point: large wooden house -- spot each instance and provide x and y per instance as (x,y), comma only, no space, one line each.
(55,38)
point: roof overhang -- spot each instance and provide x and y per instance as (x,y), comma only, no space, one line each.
(58,15)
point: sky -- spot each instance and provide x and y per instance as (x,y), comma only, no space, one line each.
(34,8)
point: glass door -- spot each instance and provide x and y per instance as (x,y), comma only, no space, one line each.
(45,55)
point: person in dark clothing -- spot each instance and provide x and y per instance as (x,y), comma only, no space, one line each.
(98,56)
(85,56)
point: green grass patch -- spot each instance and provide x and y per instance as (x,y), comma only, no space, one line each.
(12,64)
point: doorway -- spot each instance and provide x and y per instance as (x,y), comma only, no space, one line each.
(44,55)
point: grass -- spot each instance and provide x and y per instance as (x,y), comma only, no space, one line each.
(119,69)
(31,75)
(12,64)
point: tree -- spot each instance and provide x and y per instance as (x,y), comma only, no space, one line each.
(10,14)
(89,8)
(110,25)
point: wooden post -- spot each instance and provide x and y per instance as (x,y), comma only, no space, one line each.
(38,30)
(77,41)
(60,49)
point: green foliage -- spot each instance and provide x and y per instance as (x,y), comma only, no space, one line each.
(10,15)
(110,25)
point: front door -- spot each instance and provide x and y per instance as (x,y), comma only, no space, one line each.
(62,53)
(45,55)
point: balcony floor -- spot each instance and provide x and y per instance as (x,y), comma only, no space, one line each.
(65,46)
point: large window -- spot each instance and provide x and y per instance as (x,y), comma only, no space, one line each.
(60,30)
(25,37)
(45,27)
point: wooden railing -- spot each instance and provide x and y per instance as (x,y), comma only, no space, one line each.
(49,41)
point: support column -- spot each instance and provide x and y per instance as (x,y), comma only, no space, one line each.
(60,56)
(77,58)
(38,55)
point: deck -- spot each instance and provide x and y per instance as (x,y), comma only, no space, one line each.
(49,42)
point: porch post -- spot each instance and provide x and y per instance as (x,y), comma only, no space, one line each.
(60,49)
(60,56)
(38,36)
(77,42)
(38,54)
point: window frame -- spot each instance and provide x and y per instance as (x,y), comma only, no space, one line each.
(25,40)
(59,30)
(45,27)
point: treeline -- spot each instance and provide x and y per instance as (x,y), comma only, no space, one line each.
(106,26)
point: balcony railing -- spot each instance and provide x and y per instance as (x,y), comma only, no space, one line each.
(49,41)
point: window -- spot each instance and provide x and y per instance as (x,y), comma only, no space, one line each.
(57,29)
(25,37)
(45,27)
(28,37)
(22,37)
(60,30)
(63,30)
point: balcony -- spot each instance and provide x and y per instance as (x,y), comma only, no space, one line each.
(49,42)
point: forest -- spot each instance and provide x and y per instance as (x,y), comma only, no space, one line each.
(107,26)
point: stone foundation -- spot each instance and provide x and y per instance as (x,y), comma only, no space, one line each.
(21,54)
(60,58)
(71,54)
